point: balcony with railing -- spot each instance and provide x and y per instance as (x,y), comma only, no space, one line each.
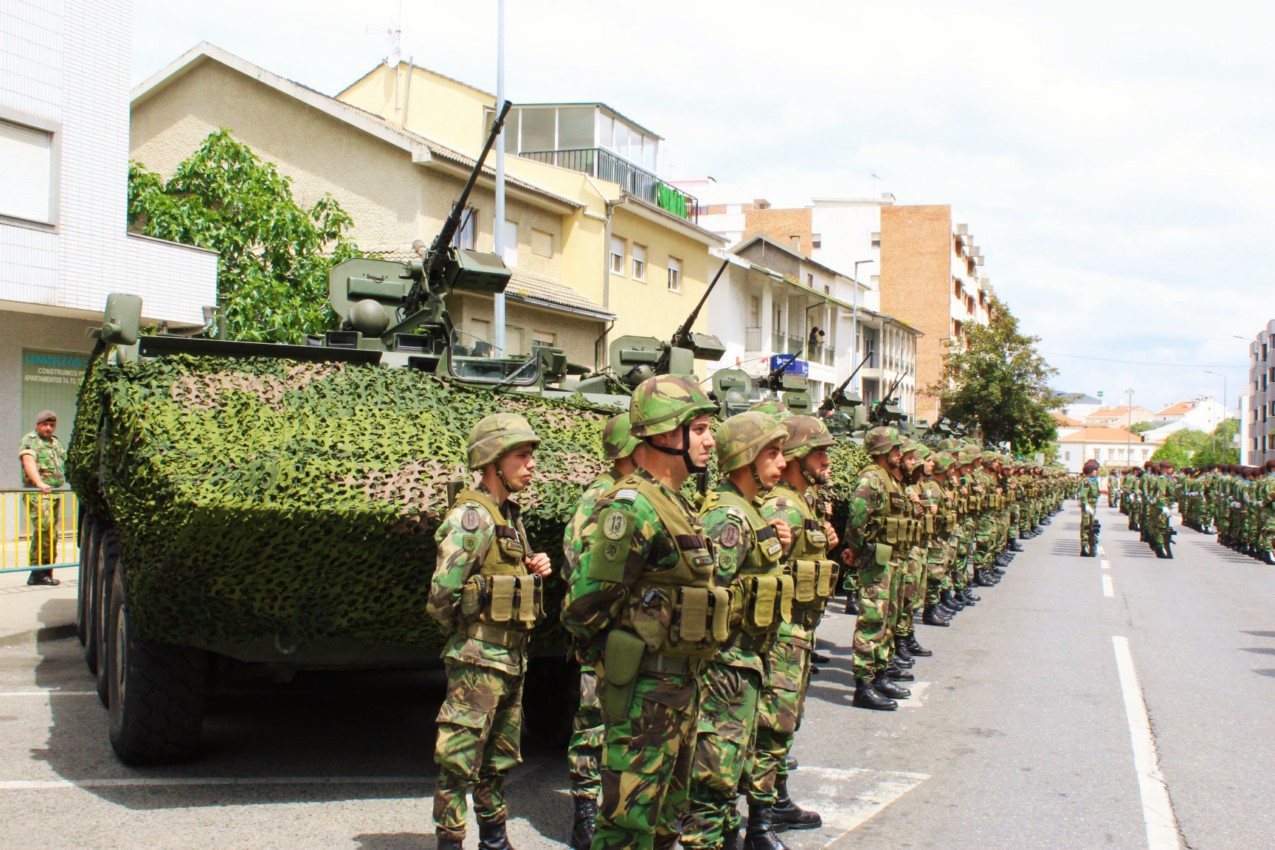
(637,181)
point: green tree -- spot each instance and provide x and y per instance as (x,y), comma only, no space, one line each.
(1189,447)
(998,380)
(274,255)
(1140,427)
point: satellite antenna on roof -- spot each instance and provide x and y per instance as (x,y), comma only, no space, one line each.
(393,34)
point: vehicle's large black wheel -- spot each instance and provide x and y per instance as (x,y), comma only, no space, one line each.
(156,699)
(90,533)
(108,558)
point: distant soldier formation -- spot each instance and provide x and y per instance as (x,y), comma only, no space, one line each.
(694,611)
(1234,501)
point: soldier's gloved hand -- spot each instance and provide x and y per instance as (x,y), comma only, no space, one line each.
(539,564)
(783,531)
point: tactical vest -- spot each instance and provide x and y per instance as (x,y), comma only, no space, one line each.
(943,521)
(814,575)
(762,590)
(676,611)
(896,526)
(502,601)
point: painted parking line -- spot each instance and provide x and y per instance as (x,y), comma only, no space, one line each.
(1106,565)
(1108,588)
(846,798)
(1157,808)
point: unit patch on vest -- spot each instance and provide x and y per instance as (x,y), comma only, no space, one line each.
(615,525)
(730,535)
(469,543)
(470,519)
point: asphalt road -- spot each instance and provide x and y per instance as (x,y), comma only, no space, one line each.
(1019,732)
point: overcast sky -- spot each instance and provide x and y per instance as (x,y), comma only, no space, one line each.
(1115,160)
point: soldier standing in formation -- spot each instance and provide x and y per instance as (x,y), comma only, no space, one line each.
(584,750)
(749,562)
(485,593)
(643,602)
(795,503)
(43,458)
(1088,495)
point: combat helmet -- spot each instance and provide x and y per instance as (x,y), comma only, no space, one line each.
(617,441)
(805,434)
(881,439)
(772,407)
(664,403)
(496,435)
(741,438)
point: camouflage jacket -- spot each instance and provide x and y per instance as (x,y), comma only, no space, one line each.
(573,539)
(1089,491)
(463,538)
(592,605)
(868,506)
(50,459)
(733,541)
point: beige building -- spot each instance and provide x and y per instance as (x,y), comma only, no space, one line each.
(1111,447)
(398,176)
(1119,417)
(931,276)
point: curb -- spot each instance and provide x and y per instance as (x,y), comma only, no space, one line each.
(41,635)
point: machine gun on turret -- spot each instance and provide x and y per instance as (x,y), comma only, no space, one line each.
(887,410)
(843,409)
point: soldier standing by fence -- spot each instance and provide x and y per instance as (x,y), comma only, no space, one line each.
(43,459)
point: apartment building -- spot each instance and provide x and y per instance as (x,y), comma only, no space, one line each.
(931,276)
(63,196)
(1258,436)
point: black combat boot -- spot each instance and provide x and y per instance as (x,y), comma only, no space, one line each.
(884,686)
(1015,546)
(982,579)
(951,600)
(931,617)
(902,657)
(760,832)
(786,814)
(867,696)
(445,843)
(1003,559)
(914,647)
(852,603)
(733,840)
(491,836)
(819,658)
(582,829)
(967,595)
(790,764)
(897,674)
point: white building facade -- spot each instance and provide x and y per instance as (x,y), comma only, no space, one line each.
(64,98)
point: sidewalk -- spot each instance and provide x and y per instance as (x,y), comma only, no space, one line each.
(30,613)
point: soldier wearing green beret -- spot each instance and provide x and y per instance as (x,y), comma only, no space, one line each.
(644,601)
(584,750)
(749,562)
(485,594)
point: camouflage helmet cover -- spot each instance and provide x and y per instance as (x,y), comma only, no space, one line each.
(943,460)
(805,434)
(617,441)
(497,434)
(881,439)
(663,403)
(772,407)
(741,438)
(921,450)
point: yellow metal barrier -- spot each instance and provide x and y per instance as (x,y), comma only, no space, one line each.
(38,530)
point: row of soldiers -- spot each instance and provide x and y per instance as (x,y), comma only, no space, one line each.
(1146,497)
(1236,501)
(694,623)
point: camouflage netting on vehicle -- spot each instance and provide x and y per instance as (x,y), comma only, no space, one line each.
(260,498)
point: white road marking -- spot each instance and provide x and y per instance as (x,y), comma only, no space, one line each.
(1106,565)
(1102,550)
(1108,589)
(846,798)
(1157,809)
(919,690)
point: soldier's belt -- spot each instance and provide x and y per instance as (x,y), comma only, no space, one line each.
(510,638)
(669,665)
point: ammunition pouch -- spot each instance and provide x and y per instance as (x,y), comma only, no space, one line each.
(929,524)
(813,582)
(621,660)
(511,601)
(679,620)
(763,602)
(882,553)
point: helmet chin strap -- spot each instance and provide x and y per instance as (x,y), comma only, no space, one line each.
(809,476)
(684,452)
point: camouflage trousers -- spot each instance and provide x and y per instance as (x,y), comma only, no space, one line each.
(938,568)
(584,750)
(1085,521)
(44,511)
(729,698)
(479,729)
(783,701)
(986,535)
(646,765)
(1266,530)
(873,629)
(908,591)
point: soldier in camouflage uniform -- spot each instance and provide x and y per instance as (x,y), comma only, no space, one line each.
(43,458)
(940,552)
(795,501)
(1089,493)
(876,544)
(909,594)
(644,601)
(584,750)
(486,595)
(749,562)
(1264,498)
